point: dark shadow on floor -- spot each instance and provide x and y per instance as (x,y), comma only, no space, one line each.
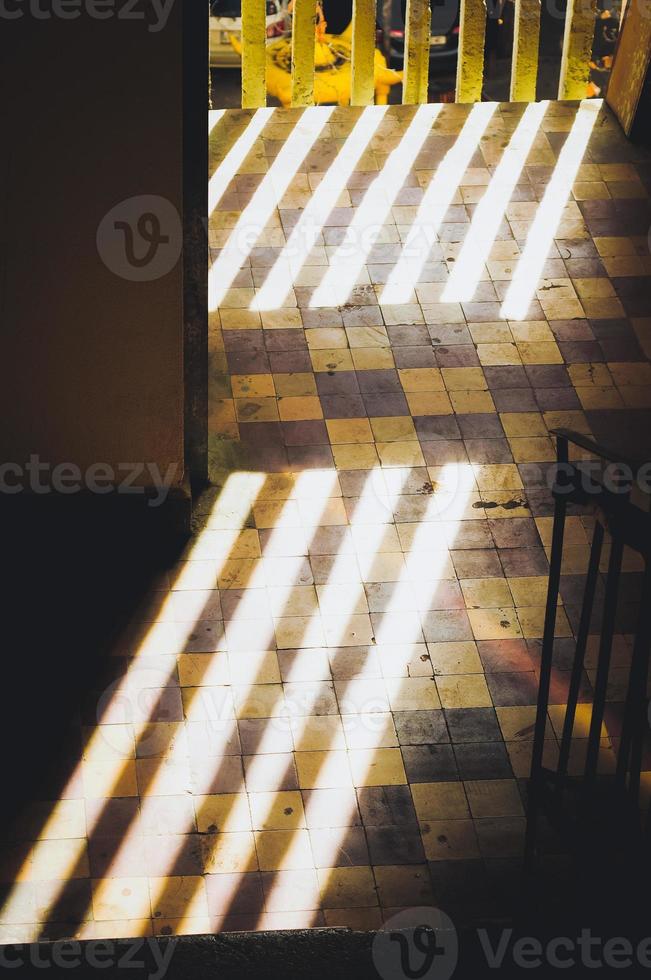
(74,569)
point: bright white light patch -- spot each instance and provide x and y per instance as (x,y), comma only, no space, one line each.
(305,233)
(490,211)
(370,215)
(459,482)
(213,118)
(545,225)
(104,751)
(437,198)
(253,219)
(314,489)
(220,181)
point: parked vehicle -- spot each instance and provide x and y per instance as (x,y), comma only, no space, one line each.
(444,33)
(339,13)
(226,21)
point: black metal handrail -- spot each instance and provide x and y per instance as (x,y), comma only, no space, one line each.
(598,449)
(627,524)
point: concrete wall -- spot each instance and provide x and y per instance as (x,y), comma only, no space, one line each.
(91,364)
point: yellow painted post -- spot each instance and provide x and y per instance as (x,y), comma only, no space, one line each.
(303,41)
(254,32)
(577,49)
(417,33)
(470,62)
(524,68)
(362,83)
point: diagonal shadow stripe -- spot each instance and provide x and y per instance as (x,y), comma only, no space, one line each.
(161,899)
(261,208)
(61,901)
(159,761)
(491,209)
(345,265)
(305,234)
(437,199)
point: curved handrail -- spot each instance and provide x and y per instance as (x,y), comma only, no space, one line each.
(578,439)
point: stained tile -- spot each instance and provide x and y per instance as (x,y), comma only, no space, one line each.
(472,725)
(427,763)
(420,727)
(403,886)
(482,760)
(450,840)
(347,888)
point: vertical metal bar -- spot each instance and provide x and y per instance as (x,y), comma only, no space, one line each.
(470,60)
(560,509)
(524,67)
(634,722)
(603,665)
(303,41)
(577,49)
(195,241)
(254,32)
(417,33)
(362,86)
(581,642)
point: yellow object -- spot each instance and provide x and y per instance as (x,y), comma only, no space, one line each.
(417,32)
(332,70)
(254,29)
(363,53)
(305,15)
(524,66)
(470,60)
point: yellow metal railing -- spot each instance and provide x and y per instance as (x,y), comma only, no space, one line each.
(574,74)
(254,33)
(362,89)
(417,31)
(303,33)
(470,60)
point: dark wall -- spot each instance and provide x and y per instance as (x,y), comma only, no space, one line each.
(90,112)
(91,363)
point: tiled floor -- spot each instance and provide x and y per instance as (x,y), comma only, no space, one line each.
(324,713)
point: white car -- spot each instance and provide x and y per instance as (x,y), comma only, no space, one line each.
(226,19)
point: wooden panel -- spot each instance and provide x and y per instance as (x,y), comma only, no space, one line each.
(577,49)
(524,68)
(303,40)
(631,65)
(470,62)
(254,31)
(417,31)
(362,88)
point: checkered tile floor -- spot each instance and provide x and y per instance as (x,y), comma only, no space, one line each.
(345,664)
